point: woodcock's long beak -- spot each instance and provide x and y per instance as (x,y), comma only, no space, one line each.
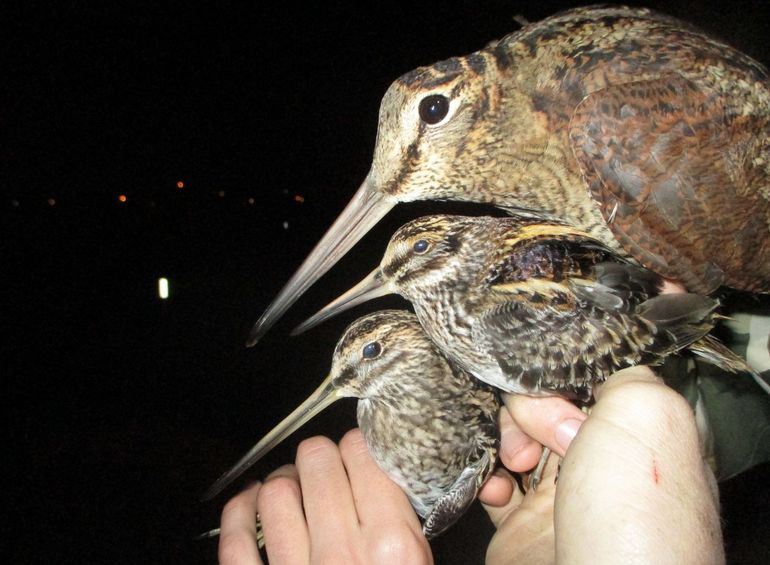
(322,397)
(366,208)
(371,287)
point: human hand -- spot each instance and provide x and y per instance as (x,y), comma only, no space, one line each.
(334,506)
(526,425)
(525,522)
(633,486)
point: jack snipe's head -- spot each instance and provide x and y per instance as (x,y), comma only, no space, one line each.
(384,355)
(377,353)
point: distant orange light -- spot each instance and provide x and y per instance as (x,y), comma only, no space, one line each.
(299,198)
(180,184)
(52,202)
(122,198)
(251,201)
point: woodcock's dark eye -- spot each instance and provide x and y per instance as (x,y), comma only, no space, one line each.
(420,246)
(371,350)
(434,108)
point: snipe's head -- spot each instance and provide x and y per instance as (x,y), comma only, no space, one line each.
(434,139)
(422,254)
(378,356)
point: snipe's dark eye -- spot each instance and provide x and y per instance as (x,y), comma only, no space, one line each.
(371,350)
(434,108)
(420,246)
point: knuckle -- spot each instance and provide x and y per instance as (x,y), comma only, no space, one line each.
(650,397)
(353,443)
(236,506)
(652,409)
(340,553)
(399,544)
(314,448)
(276,491)
(676,410)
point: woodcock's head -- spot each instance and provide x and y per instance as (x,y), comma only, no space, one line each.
(438,131)
(380,357)
(437,137)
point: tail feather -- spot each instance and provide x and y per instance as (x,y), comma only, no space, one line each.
(679,309)
(679,319)
(688,318)
(718,354)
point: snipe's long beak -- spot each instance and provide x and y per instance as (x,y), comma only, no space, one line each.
(322,397)
(366,208)
(372,286)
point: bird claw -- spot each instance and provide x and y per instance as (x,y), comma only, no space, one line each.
(213,533)
(537,475)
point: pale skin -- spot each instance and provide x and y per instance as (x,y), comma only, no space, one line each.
(632,488)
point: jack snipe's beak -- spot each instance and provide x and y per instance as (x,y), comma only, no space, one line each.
(372,286)
(322,397)
(366,208)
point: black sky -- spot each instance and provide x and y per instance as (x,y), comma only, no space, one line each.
(120,409)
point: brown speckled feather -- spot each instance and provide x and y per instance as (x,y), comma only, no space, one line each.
(671,168)
(670,131)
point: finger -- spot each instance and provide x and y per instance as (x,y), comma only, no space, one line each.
(671,287)
(238,533)
(326,494)
(518,451)
(525,525)
(542,499)
(550,420)
(498,489)
(378,500)
(279,504)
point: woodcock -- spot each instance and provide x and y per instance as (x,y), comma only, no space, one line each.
(634,127)
(538,308)
(429,425)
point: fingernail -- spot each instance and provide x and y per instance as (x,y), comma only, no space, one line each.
(566,431)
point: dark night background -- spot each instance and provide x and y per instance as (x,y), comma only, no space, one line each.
(121,408)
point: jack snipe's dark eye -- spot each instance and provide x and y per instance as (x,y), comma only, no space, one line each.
(371,350)
(434,108)
(420,246)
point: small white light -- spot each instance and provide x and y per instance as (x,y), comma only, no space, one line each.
(163,288)
(286,225)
